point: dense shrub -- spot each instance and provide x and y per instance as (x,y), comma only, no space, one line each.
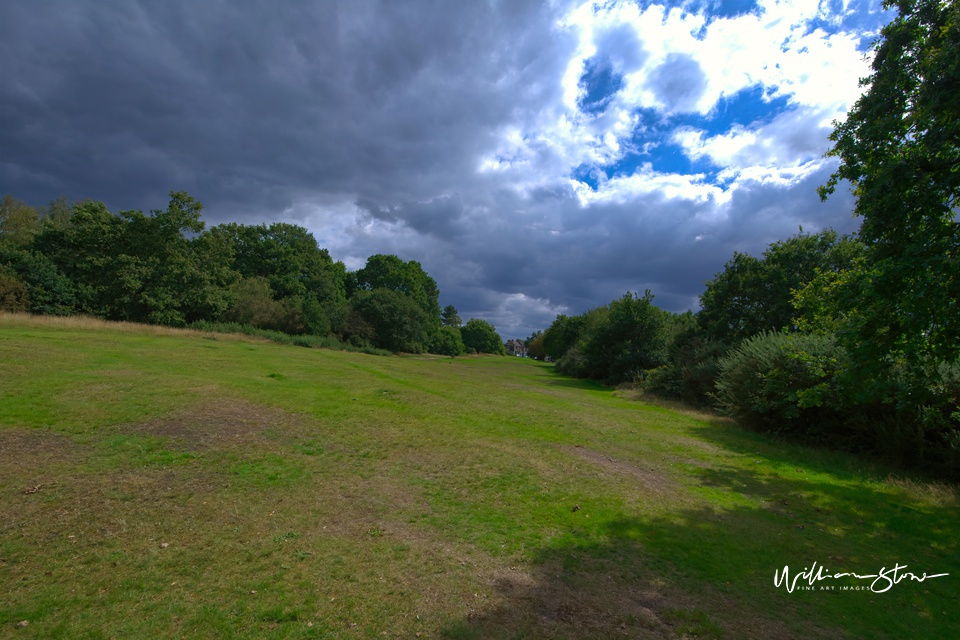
(908,421)
(310,341)
(447,342)
(691,371)
(573,363)
(784,384)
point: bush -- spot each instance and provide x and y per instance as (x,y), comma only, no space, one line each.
(912,422)
(310,341)
(13,291)
(801,386)
(784,384)
(447,342)
(692,372)
(573,363)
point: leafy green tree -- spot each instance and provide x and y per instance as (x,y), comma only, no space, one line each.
(450,317)
(407,278)
(302,277)
(534,345)
(84,250)
(288,257)
(562,335)
(48,290)
(730,306)
(13,291)
(399,324)
(447,341)
(752,295)
(482,337)
(138,267)
(630,339)
(900,148)
(162,276)
(18,222)
(57,213)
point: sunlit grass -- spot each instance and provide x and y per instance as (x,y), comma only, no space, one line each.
(175,484)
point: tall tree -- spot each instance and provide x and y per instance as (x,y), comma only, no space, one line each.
(450,318)
(629,339)
(900,148)
(562,335)
(408,278)
(482,336)
(399,323)
(84,250)
(447,341)
(138,267)
(301,277)
(288,257)
(18,222)
(752,295)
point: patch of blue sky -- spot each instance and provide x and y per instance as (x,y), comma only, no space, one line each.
(866,17)
(589,175)
(714,9)
(663,157)
(652,140)
(599,83)
(750,106)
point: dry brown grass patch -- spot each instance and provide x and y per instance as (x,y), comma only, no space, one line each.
(654,482)
(217,424)
(89,323)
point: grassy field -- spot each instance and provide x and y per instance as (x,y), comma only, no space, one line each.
(156,483)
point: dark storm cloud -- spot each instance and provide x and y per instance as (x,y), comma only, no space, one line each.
(247,104)
(593,255)
(367,122)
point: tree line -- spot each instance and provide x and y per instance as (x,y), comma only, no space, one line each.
(166,267)
(850,342)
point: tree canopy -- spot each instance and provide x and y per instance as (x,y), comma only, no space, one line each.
(449,317)
(900,148)
(482,337)
(407,278)
(753,295)
(164,267)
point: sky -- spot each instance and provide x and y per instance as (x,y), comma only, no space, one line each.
(536,157)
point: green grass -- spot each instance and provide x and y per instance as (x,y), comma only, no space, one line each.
(156,483)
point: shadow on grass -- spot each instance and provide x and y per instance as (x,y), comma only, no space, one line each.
(574,383)
(632,579)
(708,571)
(554,379)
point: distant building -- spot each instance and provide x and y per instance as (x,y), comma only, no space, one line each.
(516,348)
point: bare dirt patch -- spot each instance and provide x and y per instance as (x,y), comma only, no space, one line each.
(17,444)
(600,600)
(652,480)
(218,424)
(574,607)
(33,460)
